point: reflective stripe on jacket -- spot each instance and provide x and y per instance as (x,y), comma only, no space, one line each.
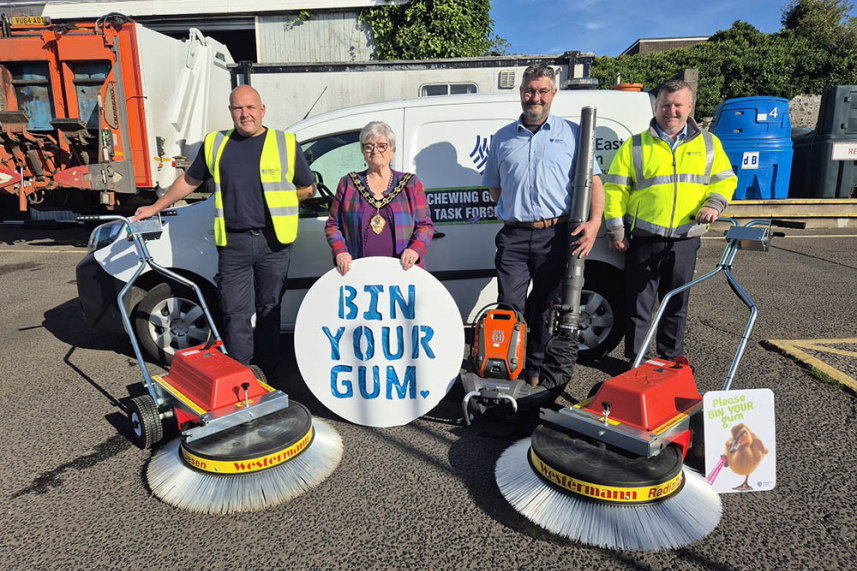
(281,197)
(653,191)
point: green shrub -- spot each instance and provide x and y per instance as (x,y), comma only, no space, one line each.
(816,48)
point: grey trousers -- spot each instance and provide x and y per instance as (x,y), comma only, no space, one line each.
(252,262)
(537,255)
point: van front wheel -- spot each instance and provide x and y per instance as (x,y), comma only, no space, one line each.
(170,318)
(602,310)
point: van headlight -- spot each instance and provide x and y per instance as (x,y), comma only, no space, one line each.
(104,235)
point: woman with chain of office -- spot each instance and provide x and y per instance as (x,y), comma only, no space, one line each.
(380,211)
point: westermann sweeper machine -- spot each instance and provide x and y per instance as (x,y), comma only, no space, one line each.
(244,445)
(609,471)
(499,337)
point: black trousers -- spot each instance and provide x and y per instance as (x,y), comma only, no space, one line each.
(527,255)
(252,262)
(654,267)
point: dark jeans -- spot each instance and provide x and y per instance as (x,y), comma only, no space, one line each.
(252,262)
(536,255)
(654,267)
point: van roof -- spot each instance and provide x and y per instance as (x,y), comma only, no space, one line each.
(632,101)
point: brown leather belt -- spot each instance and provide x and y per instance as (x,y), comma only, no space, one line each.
(538,224)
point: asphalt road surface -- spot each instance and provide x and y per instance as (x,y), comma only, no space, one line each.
(421,496)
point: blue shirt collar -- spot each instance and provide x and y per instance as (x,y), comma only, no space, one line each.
(663,135)
(548,124)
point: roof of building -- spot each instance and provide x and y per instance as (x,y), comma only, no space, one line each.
(674,39)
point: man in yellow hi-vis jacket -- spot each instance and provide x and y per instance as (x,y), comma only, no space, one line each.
(664,186)
(260,175)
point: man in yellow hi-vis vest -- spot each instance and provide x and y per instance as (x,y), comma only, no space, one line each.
(664,186)
(260,175)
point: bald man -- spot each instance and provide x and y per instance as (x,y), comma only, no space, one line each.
(259,175)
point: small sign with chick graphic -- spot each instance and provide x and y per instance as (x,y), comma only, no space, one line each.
(740,440)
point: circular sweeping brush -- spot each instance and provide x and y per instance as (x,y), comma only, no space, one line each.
(248,467)
(622,504)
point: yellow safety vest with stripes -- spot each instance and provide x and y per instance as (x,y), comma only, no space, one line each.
(653,191)
(276,169)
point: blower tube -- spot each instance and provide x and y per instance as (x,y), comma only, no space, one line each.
(561,349)
(581,199)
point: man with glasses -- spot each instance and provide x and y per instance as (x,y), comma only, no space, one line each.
(259,175)
(529,173)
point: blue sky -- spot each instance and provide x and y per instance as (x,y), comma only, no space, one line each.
(607,27)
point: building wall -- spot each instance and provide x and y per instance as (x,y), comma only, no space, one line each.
(646,46)
(96,8)
(324,37)
(654,46)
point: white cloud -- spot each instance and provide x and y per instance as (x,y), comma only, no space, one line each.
(592,26)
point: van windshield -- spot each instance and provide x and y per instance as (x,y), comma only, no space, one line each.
(334,156)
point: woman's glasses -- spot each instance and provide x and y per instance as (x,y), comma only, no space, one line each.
(381,147)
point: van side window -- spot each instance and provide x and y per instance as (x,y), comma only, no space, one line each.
(331,158)
(447,89)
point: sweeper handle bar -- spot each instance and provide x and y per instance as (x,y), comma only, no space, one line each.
(735,236)
(137,231)
(581,199)
(108,217)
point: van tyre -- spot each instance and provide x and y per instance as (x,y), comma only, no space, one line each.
(602,310)
(145,422)
(170,318)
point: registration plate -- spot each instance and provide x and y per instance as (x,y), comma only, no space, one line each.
(30,20)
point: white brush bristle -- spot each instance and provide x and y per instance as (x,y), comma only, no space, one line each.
(683,519)
(175,483)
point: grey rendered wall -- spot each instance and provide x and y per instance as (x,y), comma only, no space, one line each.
(324,37)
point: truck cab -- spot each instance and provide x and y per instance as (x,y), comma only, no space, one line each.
(99,116)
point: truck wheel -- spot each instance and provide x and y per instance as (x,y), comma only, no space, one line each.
(146,427)
(170,318)
(602,310)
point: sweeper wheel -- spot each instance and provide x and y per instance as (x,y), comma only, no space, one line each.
(596,513)
(695,457)
(259,373)
(256,445)
(146,427)
(602,474)
(247,467)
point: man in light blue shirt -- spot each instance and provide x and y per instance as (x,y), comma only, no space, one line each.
(529,173)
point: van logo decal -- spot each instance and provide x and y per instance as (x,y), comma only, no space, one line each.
(460,205)
(480,152)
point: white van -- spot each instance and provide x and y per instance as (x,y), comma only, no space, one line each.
(445,141)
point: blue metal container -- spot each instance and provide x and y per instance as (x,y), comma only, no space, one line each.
(89,78)
(32,85)
(756,135)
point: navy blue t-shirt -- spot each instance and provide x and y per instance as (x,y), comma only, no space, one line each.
(241,184)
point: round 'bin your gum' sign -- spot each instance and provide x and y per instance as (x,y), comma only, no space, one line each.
(380,346)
